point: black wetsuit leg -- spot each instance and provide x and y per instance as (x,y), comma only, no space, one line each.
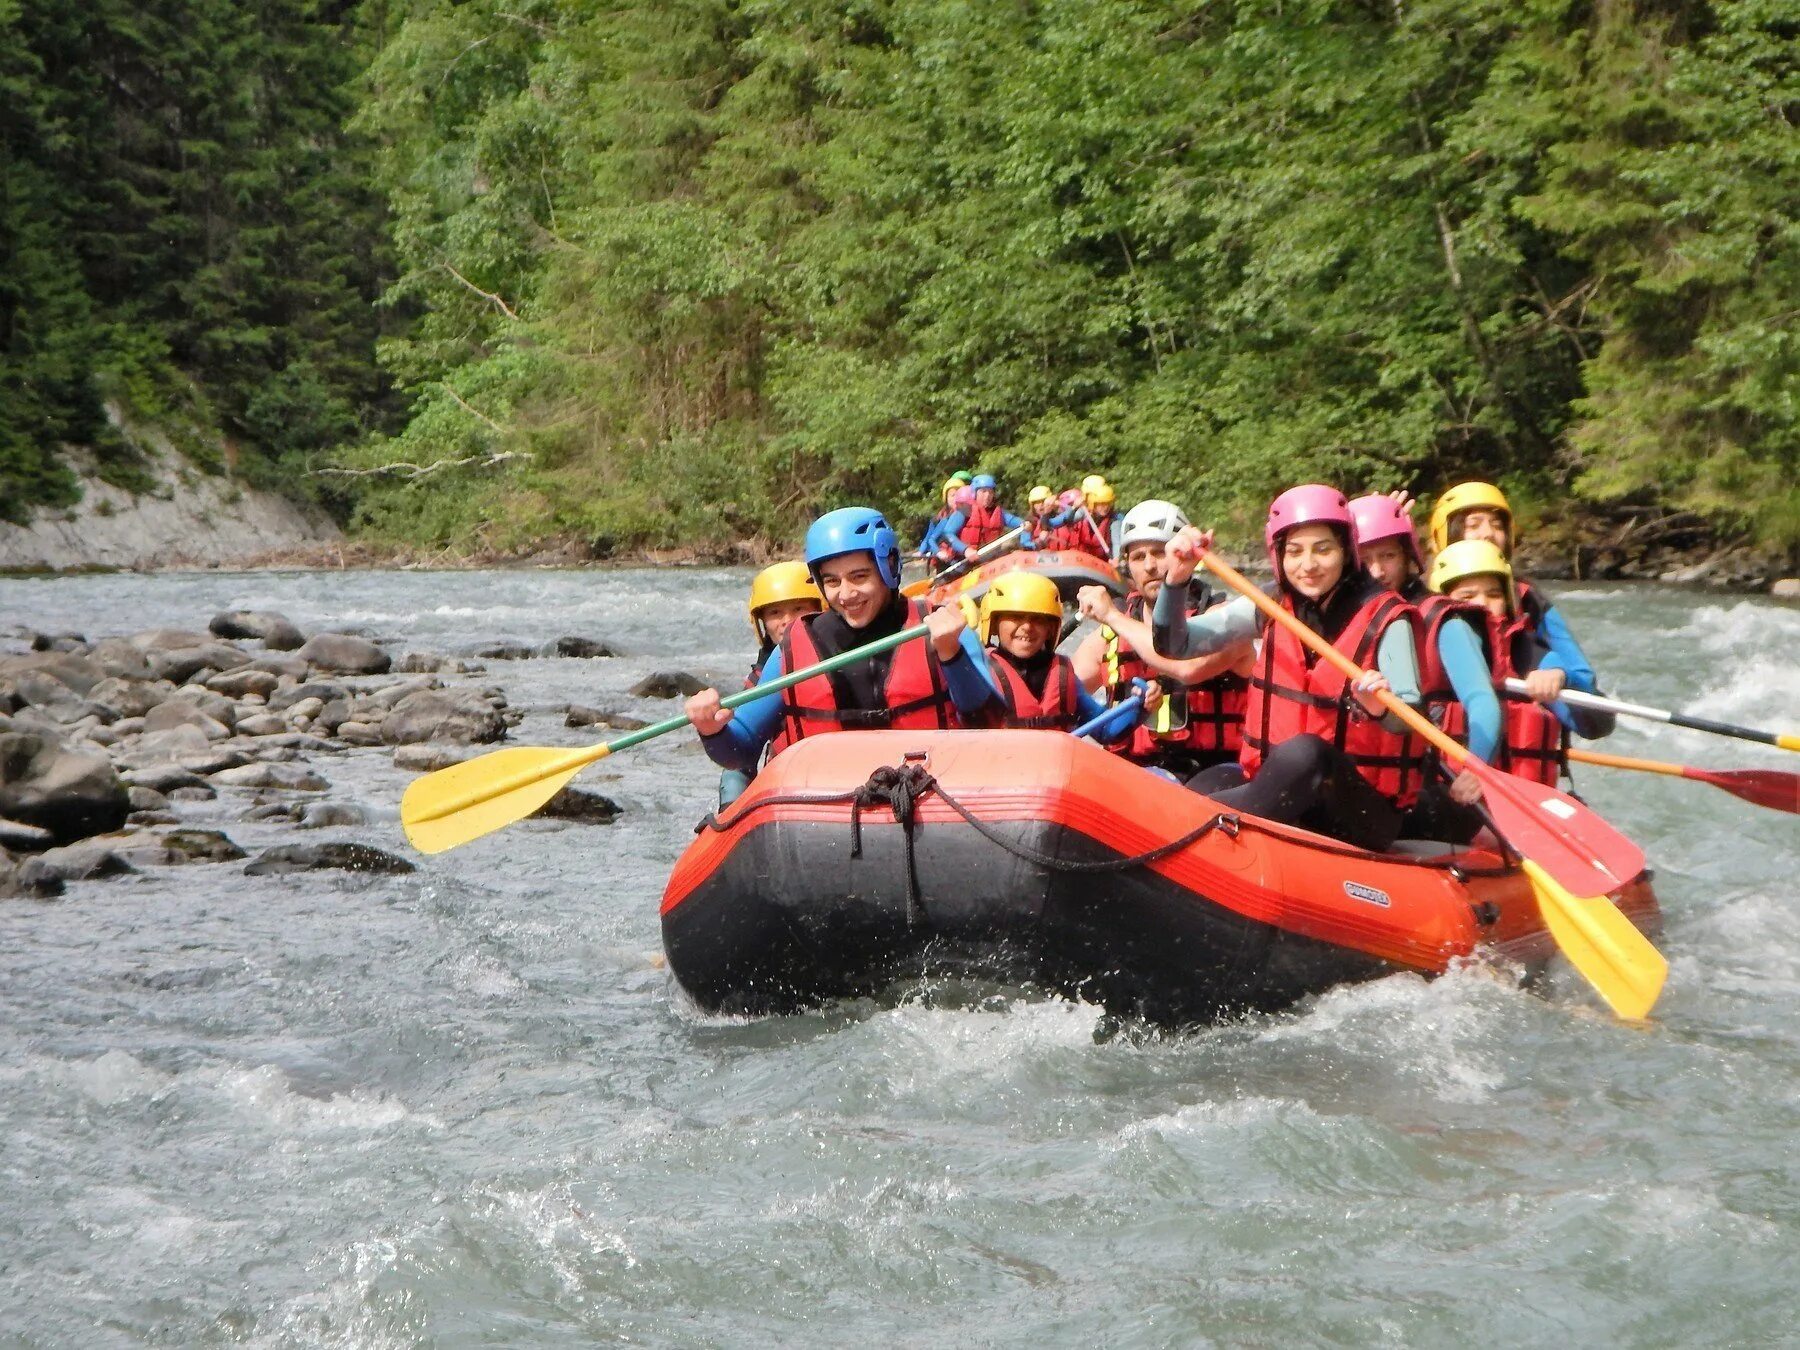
(1435,816)
(1309,782)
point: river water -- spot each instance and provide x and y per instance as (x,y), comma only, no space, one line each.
(468,1107)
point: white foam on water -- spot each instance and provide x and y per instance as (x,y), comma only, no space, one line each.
(483,976)
(1679,1212)
(348,1308)
(931,1047)
(1205,1118)
(1440,1031)
(264,1092)
(112,1078)
(569,1237)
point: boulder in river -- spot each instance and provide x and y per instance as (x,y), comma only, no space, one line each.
(506,650)
(121,659)
(288,777)
(243,681)
(580,648)
(359,733)
(342,653)
(348,857)
(185,712)
(667,684)
(87,861)
(426,757)
(418,663)
(322,691)
(1786,588)
(190,846)
(276,631)
(261,724)
(579,804)
(130,697)
(579,716)
(71,793)
(17,834)
(328,815)
(459,715)
(22,881)
(181,664)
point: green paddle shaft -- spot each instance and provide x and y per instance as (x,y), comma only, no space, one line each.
(757,691)
(987,553)
(1576,699)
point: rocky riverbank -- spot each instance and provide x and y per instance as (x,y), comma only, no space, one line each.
(104,744)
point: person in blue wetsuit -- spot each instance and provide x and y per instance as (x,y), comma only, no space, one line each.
(931,682)
(971,530)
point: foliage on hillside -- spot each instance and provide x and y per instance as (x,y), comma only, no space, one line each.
(693,269)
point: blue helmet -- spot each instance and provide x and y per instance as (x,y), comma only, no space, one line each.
(854,529)
(983,480)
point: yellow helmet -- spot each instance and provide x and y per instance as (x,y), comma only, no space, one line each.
(1040,493)
(779,582)
(1019,593)
(1469,497)
(1102,495)
(1091,482)
(1473,558)
(951,487)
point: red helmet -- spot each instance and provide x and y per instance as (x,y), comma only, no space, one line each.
(1379,517)
(1309,504)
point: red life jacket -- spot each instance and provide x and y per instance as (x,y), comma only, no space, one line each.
(982,526)
(1057,710)
(1294,694)
(914,696)
(1441,704)
(1084,538)
(1215,707)
(1537,743)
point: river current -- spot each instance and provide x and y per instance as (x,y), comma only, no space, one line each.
(469,1107)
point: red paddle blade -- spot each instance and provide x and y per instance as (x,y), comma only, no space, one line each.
(1574,845)
(1765,787)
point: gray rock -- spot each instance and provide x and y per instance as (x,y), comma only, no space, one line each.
(166,777)
(130,698)
(315,857)
(288,811)
(17,834)
(168,639)
(330,717)
(276,631)
(213,760)
(79,673)
(385,699)
(143,818)
(58,642)
(442,715)
(261,724)
(198,846)
(19,883)
(327,815)
(580,648)
(1787,588)
(120,659)
(289,778)
(667,684)
(303,711)
(41,690)
(243,681)
(418,663)
(282,667)
(578,804)
(88,861)
(322,690)
(580,716)
(193,792)
(506,651)
(145,798)
(344,654)
(185,712)
(169,743)
(429,758)
(182,664)
(359,733)
(71,793)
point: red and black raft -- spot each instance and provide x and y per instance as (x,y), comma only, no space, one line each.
(1030,858)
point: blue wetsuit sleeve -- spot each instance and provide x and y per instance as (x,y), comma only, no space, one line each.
(1013,523)
(1565,652)
(967,676)
(952,531)
(741,742)
(928,543)
(1398,659)
(1460,651)
(1176,635)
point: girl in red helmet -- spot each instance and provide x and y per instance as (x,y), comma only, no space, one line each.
(1318,750)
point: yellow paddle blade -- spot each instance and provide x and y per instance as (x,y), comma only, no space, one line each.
(1620,962)
(1787,742)
(465,801)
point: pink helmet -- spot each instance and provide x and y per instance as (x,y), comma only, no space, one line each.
(964,499)
(1310,504)
(1379,517)
(1070,499)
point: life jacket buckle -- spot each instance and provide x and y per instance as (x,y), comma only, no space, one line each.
(1228,823)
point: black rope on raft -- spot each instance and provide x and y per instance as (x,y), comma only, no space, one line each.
(900,788)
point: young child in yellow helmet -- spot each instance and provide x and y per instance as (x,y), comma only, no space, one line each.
(1034,686)
(779,595)
(1480,511)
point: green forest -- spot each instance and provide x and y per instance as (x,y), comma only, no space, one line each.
(477,273)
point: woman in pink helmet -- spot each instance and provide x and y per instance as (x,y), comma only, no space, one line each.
(1318,750)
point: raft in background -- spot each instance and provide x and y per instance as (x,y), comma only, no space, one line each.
(1069,569)
(1037,859)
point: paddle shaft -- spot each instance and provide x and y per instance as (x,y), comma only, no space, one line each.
(987,553)
(1776,789)
(1576,699)
(576,759)
(1089,728)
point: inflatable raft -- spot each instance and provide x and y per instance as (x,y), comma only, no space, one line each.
(1035,859)
(1068,569)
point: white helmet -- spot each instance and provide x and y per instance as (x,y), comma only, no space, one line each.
(1154,522)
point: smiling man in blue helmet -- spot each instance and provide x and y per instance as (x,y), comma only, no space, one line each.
(969,531)
(854,557)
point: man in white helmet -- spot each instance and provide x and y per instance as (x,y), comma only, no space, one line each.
(1201,721)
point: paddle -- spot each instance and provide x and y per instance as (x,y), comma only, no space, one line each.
(1571,856)
(986,553)
(1599,703)
(1135,701)
(465,801)
(1773,788)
